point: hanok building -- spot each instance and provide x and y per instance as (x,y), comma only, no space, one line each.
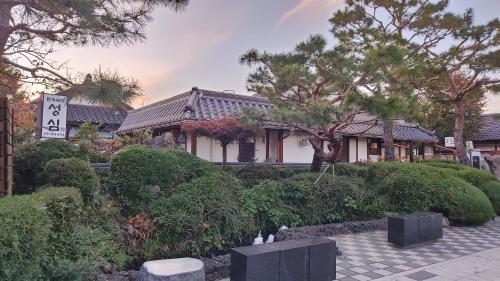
(487,139)
(274,143)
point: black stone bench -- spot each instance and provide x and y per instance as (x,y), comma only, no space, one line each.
(311,259)
(413,229)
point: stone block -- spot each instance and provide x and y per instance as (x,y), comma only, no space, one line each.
(310,259)
(183,269)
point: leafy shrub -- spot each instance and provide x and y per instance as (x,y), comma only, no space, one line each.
(203,216)
(484,180)
(297,201)
(25,229)
(351,170)
(252,174)
(419,187)
(265,204)
(134,168)
(73,172)
(30,160)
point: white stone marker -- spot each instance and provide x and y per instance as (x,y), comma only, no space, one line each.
(183,269)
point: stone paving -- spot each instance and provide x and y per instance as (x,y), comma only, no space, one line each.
(464,253)
(369,256)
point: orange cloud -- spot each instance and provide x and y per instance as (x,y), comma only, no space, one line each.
(304,5)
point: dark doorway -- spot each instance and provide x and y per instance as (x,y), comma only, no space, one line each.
(247,149)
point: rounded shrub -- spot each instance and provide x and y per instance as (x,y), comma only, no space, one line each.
(351,170)
(30,160)
(203,217)
(23,239)
(139,175)
(484,180)
(73,172)
(420,187)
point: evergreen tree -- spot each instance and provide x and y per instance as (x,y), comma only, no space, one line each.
(306,87)
(29,30)
(456,57)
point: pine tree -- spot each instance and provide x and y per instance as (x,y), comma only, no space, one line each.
(306,87)
(30,29)
(455,56)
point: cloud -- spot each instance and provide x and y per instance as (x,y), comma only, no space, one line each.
(492,104)
(304,5)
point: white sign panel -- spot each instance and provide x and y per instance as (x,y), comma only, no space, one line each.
(54,116)
(449,142)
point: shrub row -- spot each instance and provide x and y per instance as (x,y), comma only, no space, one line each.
(137,173)
(42,238)
(485,181)
(421,187)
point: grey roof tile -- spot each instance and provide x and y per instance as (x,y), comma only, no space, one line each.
(95,114)
(489,129)
(210,105)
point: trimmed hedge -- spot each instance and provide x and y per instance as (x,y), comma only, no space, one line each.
(73,172)
(30,160)
(420,187)
(135,168)
(44,237)
(297,201)
(25,229)
(203,217)
(251,174)
(484,180)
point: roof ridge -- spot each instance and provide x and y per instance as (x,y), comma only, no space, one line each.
(160,102)
(234,95)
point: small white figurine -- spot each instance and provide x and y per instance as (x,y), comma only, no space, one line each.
(259,240)
(270,239)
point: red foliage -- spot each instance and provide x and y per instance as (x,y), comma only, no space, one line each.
(225,130)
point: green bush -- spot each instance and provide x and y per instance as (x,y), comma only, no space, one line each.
(420,187)
(251,174)
(351,170)
(265,204)
(30,160)
(484,180)
(135,167)
(73,172)
(204,216)
(25,229)
(297,201)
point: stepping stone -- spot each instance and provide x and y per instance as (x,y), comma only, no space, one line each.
(183,269)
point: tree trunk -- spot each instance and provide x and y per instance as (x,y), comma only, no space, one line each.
(5,15)
(458,132)
(388,142)
(224,155)
(318,156)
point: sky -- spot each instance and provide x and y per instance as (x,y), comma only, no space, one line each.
(201,45)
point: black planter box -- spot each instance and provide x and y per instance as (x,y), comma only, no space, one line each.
(411,229)
(310,259)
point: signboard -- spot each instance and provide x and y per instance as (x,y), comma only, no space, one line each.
(54,116)
(449,142)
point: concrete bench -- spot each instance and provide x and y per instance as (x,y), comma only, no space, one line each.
(413,229)
(184,269)
(311,259)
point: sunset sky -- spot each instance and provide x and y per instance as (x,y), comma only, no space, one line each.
(201,45)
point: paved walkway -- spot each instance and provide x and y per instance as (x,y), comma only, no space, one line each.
(464,253)
(458,256)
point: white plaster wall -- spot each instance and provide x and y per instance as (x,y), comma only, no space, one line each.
(293,152)
(188,142)
(260,146)
(211,150)
(362,149)
(352,150)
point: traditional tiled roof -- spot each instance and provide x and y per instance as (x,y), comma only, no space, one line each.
(197,104)
(95,114)
(200,104)
(489,129)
